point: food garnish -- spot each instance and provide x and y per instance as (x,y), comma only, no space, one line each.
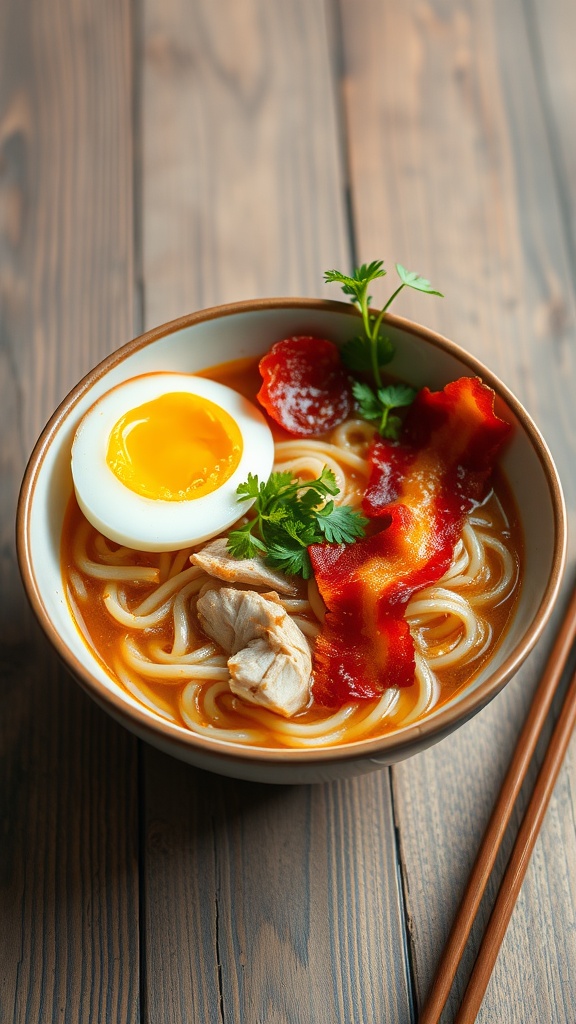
(377,406)
(427,469)
(419,490)
(291,514)
(415,477)
(305,387)
(307,391)
(369,353)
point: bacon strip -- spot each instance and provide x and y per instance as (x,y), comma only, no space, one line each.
(419,491)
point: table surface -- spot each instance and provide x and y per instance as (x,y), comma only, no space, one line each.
(160,156)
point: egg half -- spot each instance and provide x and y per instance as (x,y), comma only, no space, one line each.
(157,460)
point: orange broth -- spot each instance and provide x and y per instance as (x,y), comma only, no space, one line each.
(103,634)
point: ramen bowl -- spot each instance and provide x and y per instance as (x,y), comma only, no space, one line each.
(247,329)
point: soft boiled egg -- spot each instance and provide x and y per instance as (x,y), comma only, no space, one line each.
(156,461)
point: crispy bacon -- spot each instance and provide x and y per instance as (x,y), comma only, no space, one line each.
(304,386)
(419,491)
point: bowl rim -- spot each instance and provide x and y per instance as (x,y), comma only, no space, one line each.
(383,747)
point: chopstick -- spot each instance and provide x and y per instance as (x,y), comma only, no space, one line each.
(495,830)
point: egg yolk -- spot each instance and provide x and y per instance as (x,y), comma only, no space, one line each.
(175,447)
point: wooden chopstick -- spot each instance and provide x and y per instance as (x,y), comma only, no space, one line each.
(495,830)
(519,859)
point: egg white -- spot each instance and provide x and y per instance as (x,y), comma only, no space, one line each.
(150,524)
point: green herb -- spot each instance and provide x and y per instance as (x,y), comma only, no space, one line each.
(378,405)
(290,515)
(372,351)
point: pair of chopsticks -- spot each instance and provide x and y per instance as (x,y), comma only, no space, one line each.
(525,840)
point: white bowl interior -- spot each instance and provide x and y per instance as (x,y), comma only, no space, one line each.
(250,333)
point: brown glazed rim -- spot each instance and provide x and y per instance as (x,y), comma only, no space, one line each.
(389,747)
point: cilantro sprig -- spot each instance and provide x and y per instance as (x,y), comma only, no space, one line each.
(377,406)
(370,352)
(291,514)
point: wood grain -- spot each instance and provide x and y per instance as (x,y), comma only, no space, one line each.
(451,164)
(243,169)
(550,33)
(218,168)
(68,798)
(267,903)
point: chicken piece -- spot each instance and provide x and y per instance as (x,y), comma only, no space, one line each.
(217,561)
(270,661)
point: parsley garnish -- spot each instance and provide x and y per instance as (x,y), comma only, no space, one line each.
(290,515)
(374,350)
(377,406)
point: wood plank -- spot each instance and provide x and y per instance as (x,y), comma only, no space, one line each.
(451,165)
(550,31)
(243,177)
(262,903)
(270,903)
(68,797)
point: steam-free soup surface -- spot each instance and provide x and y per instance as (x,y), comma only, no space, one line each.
(153,645)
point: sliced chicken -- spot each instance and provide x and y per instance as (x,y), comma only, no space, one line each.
(270,661)
(217,561)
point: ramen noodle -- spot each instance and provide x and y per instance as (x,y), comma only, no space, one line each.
(137,611)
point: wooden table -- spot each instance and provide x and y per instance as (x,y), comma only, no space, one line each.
(158,156)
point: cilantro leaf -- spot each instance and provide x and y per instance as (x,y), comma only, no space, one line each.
(342,524)
(369,406)
(242,543)
(374,350)
(357,353)
(294,561)
(413,280)
(377,406)
(397,395)
(276,483)
(325,484)
(361,277)
(289,515)
(249,489)
(299,531)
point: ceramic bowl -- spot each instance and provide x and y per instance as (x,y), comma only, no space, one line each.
(214,336)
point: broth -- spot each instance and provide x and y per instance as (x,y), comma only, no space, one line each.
(155,662)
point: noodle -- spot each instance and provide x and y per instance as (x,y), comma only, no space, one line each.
(109,570)
(166,662)
(307,459)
